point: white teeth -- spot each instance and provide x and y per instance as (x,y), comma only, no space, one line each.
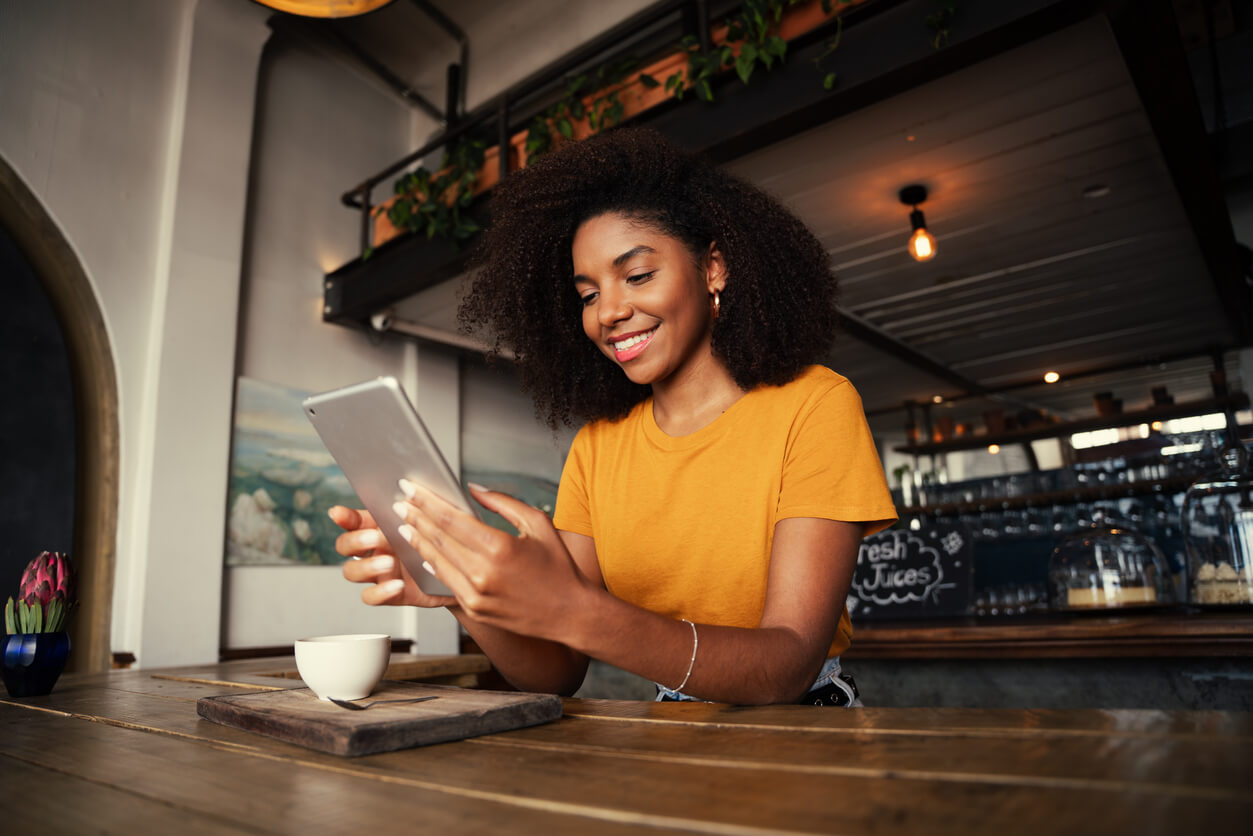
(630,341)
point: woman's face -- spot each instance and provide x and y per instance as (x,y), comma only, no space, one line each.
(646,301)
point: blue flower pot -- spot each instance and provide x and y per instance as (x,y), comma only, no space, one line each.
(33,661)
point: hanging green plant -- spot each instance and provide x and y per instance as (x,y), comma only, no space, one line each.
(583,100)
(433,203)
(941,23)
(828,7)
(753,30)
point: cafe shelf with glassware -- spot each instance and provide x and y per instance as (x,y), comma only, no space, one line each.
(1151,526)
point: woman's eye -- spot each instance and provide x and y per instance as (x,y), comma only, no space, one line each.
(588,298)
(641,277)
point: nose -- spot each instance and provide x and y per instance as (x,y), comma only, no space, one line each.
(612,307)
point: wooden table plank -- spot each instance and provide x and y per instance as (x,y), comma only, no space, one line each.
(263,792)
(941,722)
(81,806)
(1179,766)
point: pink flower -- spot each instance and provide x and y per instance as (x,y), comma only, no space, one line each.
(47,577)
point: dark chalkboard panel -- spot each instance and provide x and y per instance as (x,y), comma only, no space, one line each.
(36,422)
(906,573)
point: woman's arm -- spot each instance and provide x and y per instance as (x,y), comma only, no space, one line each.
(811,568)
(534,664)
(528,663)
(529,585)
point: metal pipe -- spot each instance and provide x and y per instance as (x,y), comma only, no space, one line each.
(449,338)
(391,79)
(444,22)
(452,84)
(502,137)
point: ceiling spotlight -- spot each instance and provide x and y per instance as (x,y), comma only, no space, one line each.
(921,243)
(937,399)
(325,8)
(1052,377)
(994,448)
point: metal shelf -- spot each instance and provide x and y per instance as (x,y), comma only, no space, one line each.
(1235,401)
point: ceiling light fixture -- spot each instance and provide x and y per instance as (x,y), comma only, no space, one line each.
(1052,377)
(921,243)
(994,448)
(325,8)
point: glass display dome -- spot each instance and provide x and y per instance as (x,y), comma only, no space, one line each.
(1108,565)
(1218,533)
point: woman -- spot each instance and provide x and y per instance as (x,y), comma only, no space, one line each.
(710,510)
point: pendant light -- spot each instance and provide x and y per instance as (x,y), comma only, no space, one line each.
(921,243)
(325,8)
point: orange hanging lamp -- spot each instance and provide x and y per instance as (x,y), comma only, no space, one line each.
(325,8)
(921,242)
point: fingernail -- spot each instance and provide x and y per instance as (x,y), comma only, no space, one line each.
(428,567)
(401,508)
(383,563)
(475,486)
(392,587)
(408,532)
(406,487)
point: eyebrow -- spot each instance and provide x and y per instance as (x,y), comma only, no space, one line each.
(622,259)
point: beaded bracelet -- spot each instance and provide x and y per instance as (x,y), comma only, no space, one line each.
(692,662)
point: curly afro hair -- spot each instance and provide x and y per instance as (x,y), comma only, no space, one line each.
(777,313)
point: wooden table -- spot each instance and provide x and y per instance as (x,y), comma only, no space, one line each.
(126,752)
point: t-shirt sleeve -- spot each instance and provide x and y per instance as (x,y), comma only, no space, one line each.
(573,511)
(831,469)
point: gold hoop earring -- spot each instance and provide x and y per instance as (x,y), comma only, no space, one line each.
(717,302)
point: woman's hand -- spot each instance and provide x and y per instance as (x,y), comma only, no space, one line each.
(373,563)
(528,584)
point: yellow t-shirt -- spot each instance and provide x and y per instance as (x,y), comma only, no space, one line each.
(683,525)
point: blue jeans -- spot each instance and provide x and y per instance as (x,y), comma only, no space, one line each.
(832,687)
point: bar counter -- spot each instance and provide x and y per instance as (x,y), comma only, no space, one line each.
(126,751)
(1168,633)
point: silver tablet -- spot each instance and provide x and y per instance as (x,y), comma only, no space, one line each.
(377,439)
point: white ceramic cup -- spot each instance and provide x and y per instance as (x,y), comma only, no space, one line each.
(346,667)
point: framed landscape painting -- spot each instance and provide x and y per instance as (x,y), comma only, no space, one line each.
(282,482)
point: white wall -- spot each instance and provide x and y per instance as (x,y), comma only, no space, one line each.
(499,430)
(321,129)
(130,121)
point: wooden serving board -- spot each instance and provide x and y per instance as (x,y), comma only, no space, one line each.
(298,716)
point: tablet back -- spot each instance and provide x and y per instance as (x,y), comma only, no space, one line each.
(377,439)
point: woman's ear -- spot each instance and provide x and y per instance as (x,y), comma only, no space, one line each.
(715,269)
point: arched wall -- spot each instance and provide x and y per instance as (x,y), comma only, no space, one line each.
(95,412)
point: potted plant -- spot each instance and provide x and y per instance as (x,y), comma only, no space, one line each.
(37,645)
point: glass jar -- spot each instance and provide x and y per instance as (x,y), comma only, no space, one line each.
(1108,565)
(1218,535)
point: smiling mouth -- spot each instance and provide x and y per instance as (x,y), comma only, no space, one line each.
(633,346)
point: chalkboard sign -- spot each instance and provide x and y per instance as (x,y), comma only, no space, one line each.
(908,573)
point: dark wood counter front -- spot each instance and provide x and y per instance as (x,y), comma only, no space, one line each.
(1087,635)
